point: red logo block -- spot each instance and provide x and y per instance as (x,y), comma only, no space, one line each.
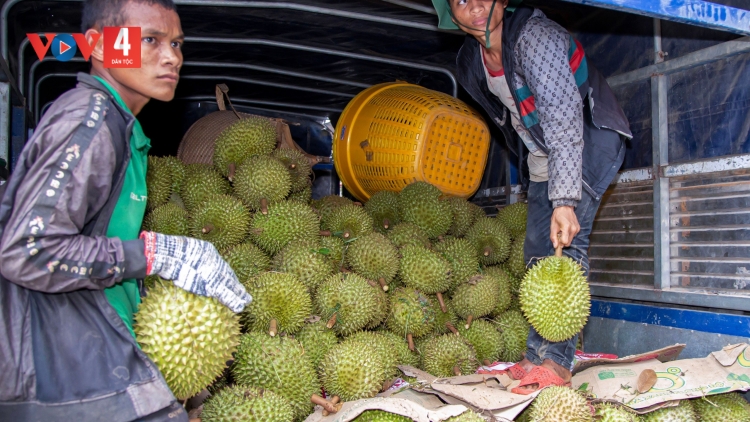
(122,46)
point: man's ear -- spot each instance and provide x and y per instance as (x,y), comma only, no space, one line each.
(98,51)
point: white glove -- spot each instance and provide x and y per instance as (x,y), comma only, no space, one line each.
(196,266)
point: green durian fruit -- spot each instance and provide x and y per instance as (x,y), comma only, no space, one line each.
(246,404)
(514,330)
(279,364)
(348,221)
(303,195)
(279,297)
(721,408)
(462,258)
(442,318)
(516,264)
(297,165)
(555,298)
(560,404)
(467,416)
(382,307)
(683,412)
(177,170)
(150,281)
(477,211)
(476,297)
(221,220)
(424,270)
(158,182)
(317,340)
(380,416)
(306,260)
(420,203)
(260,178)
(334,246)
(167,219)
(485,339)
(190,338)
(490,239)
(249,136)
(247,261)
(327,204)
(513,217)
(464,216)
(449,355)
(383,208)
(352,370)
(285,221)
(500,272)
(401,346)
(504,296)
(373,257)
(408,234)
(411,313)
(384,348)
(419,346)
(201,181)
(347,302)
(607,412)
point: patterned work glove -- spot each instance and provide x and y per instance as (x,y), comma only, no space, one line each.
(196,266)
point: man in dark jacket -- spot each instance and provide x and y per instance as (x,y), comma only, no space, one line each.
(532,78)
(70,252)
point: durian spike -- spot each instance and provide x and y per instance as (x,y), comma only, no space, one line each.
(372,283)
(386,223)
(232,168)
(273,327)
(264,206)
(468,321)
(451,327)
(558,249)
(325,233)
(383,284)
(207,228)
(325,404)
(442,302)
(335,401)
(410,340)
(487,251)
(457,370)
(331,322)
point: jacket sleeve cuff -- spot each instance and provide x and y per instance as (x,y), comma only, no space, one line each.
(135,259)
(564,203)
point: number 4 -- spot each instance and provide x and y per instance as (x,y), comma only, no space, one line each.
(121,43)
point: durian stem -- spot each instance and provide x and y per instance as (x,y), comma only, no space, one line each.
(451,327)
(357,203)
(558,249)
(292,166)
(487,251)
(440,238)
(347,234)
(325,233)
(457,370)
(264,206)
(327,405)
(372,283)
(344,270)
(332,321)
(410,340)
(334,400)
(442,302)
(230,171)
(386,223)
(207,228)
(486,362)
(468,321)
(273,327)
(383,284)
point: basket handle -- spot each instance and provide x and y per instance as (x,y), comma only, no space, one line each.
(221,91)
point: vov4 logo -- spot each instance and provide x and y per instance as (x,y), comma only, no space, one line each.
(122,46)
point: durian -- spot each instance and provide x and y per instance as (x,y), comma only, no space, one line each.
(467,416)
(420,203)
(560,404)
(333,248)
(262,178)
(380,416)
(325,205)
(201,181)
(500,272)
(464,216)
(352,370)
(721,408)
(280,303)
(167,219)
(408,234)
(425,270)
(348,221)
(158,182)
(490,239)
(476,297)
(485,339)
(400,345)
(555,298)
(449,355)
(249,136)
(443,320)
(347,302)
(246,404)
(683,412)
(221,220)
(306,260)
(373,257)
(190,338)
(516,264)
(462,258)
(606,412)
(247,261)
(383,208)
(317,340)
(303,195)
(412,314)
(514,331)
(383,347)
(513,217)
(297,165)
(285,221)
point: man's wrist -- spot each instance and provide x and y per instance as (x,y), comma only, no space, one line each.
(557,203)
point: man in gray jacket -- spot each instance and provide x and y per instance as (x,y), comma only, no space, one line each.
(70,249)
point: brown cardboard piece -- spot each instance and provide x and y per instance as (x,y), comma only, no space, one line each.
(664,354)
(721,372)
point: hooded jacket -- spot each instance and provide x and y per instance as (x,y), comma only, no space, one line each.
(549,78)
(65,353)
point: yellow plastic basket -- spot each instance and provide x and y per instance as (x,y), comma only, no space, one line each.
(396,133)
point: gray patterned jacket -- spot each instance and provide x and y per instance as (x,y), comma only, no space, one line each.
(550,77)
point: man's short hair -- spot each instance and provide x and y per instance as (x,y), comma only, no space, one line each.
(101,13)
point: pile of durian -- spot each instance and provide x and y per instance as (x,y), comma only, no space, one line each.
(342,292)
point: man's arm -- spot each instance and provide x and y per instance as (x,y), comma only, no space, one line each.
(68,181)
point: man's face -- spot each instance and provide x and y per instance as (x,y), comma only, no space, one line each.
(472,15)
(161,52)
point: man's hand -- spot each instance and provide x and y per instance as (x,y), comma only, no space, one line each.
(564,221)
(196,266)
